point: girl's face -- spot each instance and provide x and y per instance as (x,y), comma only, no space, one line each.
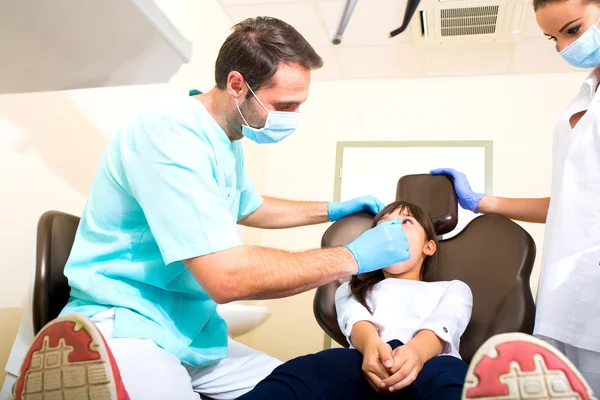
(564,21)
(420,247)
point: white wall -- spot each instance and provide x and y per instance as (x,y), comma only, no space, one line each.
(516,112)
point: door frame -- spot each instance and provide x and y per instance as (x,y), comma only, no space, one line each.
(488,146)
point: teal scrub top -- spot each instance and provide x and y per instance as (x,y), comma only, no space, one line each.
(170,186)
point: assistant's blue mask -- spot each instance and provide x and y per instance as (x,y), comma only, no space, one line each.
(278,126)
(585,51)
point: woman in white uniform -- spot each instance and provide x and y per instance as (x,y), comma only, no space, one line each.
(568,300)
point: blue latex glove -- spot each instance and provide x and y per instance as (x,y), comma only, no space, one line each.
(467,198)
(380,247)
(338,210)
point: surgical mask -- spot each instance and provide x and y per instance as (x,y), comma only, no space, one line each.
(585,51)
(278,126)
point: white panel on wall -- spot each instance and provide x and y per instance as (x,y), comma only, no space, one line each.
(376,170)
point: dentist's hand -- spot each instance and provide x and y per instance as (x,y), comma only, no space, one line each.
(338,210)
(467,198)
(380,247)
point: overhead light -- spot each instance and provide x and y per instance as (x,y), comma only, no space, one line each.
(345,18)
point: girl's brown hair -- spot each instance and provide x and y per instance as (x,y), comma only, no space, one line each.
(361,286)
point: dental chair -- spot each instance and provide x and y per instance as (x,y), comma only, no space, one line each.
(55,235)
(493,255)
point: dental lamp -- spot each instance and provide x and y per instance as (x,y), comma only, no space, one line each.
(411,8)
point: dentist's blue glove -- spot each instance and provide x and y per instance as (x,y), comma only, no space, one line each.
(467,198)
(338,210)
(380,247)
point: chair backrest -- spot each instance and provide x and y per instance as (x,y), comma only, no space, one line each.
(493,255)
(55,235)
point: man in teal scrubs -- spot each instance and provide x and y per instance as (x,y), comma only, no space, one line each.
(157,246)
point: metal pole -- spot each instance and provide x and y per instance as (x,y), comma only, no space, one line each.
(346,14)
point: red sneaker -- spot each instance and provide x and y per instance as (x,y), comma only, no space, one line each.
(516,366)
(69,360)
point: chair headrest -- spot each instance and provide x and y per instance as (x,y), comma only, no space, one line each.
(347,229)
(434,194)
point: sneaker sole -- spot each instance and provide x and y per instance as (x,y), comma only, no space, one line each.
(68,360)
(516,366)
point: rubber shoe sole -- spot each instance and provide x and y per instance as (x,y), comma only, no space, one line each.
(516,366)
(69,360)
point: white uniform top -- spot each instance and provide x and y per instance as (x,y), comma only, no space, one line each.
(568,301)
(402,308)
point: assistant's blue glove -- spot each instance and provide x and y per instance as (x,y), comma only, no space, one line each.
(380,247)
(467,198)
(338,210)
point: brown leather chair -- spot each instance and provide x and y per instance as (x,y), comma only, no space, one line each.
(493,255)
(55,236)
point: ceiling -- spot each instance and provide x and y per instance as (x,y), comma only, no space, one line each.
(367,52)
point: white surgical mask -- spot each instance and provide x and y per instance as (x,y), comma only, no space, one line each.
(278,126)
(585,51)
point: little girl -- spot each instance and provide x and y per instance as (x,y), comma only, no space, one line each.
(404,331)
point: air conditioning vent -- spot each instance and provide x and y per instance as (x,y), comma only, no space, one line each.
(469,21)
(450,22)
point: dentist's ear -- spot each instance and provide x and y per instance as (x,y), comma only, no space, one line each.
(235,84)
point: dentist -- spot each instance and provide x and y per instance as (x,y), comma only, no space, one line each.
(568,300)
(157,247)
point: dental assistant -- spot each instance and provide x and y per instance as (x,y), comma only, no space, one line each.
(157,247)
(568,299)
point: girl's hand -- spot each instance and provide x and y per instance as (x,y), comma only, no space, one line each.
(407,365)
(377,360)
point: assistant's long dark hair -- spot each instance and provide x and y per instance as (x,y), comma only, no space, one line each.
(361,286)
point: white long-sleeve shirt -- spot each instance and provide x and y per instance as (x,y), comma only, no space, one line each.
(402,308)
